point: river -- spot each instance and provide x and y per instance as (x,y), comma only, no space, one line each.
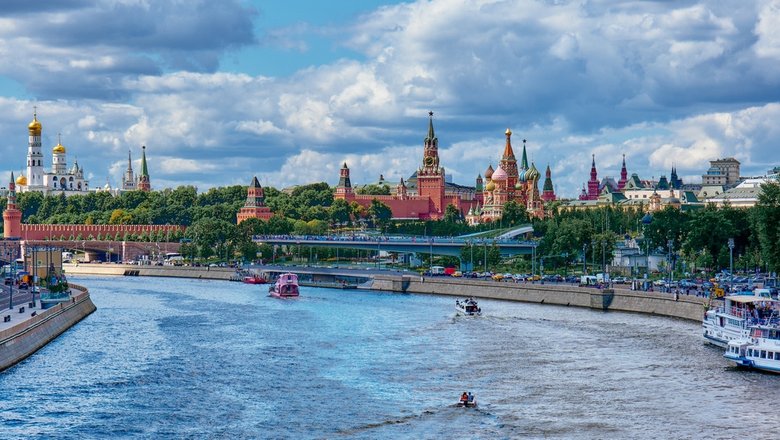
(177,358)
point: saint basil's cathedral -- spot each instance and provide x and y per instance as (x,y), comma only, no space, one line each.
(426,194)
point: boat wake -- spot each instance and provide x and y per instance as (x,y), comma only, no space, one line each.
(450,412)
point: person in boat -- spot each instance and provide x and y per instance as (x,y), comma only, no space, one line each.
(464,398)
(471,398)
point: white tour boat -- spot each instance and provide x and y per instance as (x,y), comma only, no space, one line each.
(468,307)
(761,350)
(732,320)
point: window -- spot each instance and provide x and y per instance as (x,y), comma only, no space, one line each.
(763,354)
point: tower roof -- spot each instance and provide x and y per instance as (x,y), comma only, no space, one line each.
(144,168)
(35,126)
(255,182)
(524,160)
(508,152)
(431,136)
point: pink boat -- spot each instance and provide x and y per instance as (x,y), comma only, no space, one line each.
(286,286)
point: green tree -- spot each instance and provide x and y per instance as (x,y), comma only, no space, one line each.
(766,224)
(452,214)
(373,190)
(379,212)
(513,214)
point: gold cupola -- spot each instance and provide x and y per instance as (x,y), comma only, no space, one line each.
(21,180)
(59,148)
(34,126)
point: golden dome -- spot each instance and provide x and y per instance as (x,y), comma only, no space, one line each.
(21,180)
(490,186)
(59,148)
(34,127)
(508,132)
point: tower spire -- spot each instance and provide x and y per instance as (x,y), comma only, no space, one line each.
(431,135)
(144,182)
(524,160)
(623,175)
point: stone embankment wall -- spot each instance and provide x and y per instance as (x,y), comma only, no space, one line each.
(25,338)
(206,273)
(664,304)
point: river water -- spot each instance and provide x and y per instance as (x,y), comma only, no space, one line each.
(171,358)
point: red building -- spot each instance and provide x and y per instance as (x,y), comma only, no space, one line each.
(593,184)
(255,204)
(432,196)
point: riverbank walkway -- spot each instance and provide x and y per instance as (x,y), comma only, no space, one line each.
(20,311)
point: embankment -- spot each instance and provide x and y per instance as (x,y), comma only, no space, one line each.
(653,303)
(24,339)
(206,273)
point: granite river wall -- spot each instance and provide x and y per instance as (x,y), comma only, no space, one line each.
(653,303)
(24,339)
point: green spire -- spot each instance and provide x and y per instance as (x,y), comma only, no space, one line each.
(144,169)
(431,135)
(524,161)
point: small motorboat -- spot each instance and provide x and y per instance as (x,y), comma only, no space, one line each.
(467,401)
(468,307)
(254,279)
(286,286)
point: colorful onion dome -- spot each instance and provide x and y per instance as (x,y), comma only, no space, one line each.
(521,176)
(34,127)
(489,172)
(532,174)
(21,180)
(518,185)
(499,174)
(490,186)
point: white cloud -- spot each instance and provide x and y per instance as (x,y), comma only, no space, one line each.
(667,84)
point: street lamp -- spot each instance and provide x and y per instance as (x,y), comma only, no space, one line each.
(485,244)
(670,243)
(731,264)
(584,259)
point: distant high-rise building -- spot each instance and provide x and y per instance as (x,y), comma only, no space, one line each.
(722,172)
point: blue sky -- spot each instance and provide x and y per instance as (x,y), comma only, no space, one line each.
(222,91)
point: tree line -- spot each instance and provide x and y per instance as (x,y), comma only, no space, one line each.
(699,237)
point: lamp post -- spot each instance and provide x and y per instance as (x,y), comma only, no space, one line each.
(731,263)
(471,248)
(670,243)
(485,244)
(430,254)
(584,259)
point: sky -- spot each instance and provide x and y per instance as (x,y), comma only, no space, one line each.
(288,91)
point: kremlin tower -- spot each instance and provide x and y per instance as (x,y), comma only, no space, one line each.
(548,193)
(430,177)
(12,217)
(128,180)
(255,204)
(344,188)
(144,184)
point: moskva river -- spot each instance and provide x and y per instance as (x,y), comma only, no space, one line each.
(171,358)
